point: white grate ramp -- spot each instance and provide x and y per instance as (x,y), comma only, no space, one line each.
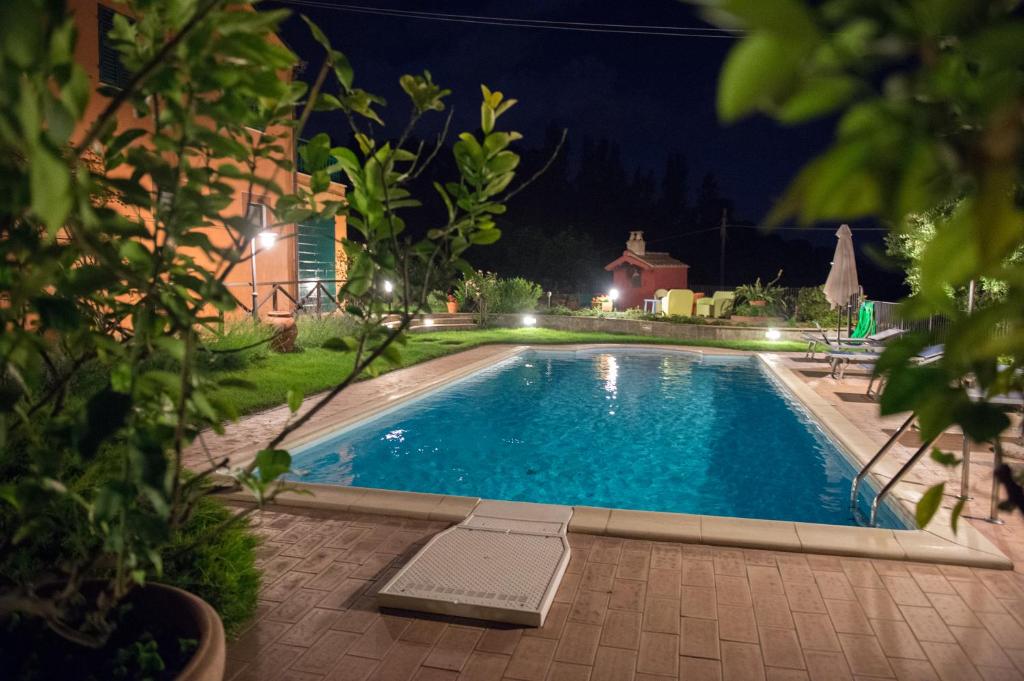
(503,563)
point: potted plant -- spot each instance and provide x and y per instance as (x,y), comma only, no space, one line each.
(453,304)
(601,303)
(758,294)
(110,297)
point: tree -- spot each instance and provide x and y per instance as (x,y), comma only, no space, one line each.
(928,100)
(104,269)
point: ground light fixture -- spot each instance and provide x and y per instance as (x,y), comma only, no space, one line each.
(529,320)
(773,334)
(428,322)
(388,286)
(613,294)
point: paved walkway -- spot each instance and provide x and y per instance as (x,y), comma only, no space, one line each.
(627,610)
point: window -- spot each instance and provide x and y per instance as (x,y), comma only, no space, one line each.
(256,216)
(112,70)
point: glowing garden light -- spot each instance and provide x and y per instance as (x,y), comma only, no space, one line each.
(613,294)
(529,320)
(267,239)
(773,334)
(428,322)
(388,287)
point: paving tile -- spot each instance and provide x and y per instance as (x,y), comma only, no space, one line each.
(401,662)
(659,654)
(980,598)
(803,596)
(425,631)
(662,615)
(913,670)
(816,632)
(772,610)
(563,671)
(897,639)
(554,624)
(634,565)
(700,669)
(666,557)
(598,577)
(697,573)
(953,610)
(905,591)
(980,647)
(737,623)
(698,601)
(499,640)
(834,585)
(878,604)
(864,655)
(779,674)
(331,576)
(295,607)
(435,674)
(1004,629)
(360,616)
(795,571)
(453,648)
(259,636)
(343,595)
(663,584)
(926,624)
(531,659)
(568,588)
(742,662)
(765,580)
(627,595)
(307,630)
(932,583)
(699,638)
(589,607)
(606,550)
(781,648)
(614,664)
(378,640)
(328,650)
(732,590)
(861,573)
(484,667)
(622,629)
(950,662)
(824,666)
(578,643)
(848,617)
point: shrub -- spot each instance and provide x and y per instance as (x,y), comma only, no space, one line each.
(516,295)
(437,301)
(240,343)
(314,332)
(219,567)
(812,306)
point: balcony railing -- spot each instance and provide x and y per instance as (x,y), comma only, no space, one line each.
(297,296)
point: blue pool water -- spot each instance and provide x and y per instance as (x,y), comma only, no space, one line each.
(638,429)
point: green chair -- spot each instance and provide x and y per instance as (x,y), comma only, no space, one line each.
(718,305)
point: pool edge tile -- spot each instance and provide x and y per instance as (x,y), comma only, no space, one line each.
(654,525)
(850,541)
(589,519)
(749,533)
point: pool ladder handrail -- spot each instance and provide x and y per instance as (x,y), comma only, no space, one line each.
(884,492)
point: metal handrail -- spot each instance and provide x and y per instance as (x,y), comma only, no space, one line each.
(877,501)
(876,458)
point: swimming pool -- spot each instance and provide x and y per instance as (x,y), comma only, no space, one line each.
(626,428)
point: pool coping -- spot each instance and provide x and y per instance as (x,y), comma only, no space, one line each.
(936,544)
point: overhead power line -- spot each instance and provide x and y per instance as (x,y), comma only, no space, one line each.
(513,22)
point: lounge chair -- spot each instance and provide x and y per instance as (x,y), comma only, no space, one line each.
(841,359)
(679,302)
(821,338)
(718,305)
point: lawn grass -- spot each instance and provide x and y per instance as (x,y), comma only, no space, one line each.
(315,369)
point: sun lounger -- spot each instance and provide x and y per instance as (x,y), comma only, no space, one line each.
(821,338)
(841,359)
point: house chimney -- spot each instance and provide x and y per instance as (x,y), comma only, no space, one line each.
(636,243)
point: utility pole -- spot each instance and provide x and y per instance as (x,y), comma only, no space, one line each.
(721,248)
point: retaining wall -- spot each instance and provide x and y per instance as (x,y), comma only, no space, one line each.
(640,327)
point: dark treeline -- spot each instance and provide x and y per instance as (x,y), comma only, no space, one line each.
(563,228)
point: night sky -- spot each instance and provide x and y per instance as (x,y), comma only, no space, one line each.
(651,95)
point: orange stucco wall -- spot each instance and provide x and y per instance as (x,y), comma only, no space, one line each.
(279,264)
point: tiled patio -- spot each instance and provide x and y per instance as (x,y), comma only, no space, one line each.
(633,609)
(627,610)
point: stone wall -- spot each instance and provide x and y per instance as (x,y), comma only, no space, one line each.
(640,327)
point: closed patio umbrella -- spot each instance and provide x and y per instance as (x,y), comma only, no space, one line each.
(842,284)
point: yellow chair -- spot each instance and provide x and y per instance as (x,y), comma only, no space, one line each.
(718,305)
(659,295)
(679,302)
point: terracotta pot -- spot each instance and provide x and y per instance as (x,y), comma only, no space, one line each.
(194,618)
(285,331)
(453,307)
(758,303)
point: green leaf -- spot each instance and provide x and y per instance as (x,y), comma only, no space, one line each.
(294,400)
(756,73)
(817,97)
(273,463)
(945,458)
(958,509)
(485,236)
(50,183)
(929,504)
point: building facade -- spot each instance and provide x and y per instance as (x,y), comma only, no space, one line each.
(302,255)
(638,273)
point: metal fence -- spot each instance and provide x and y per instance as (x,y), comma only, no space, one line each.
(887,316)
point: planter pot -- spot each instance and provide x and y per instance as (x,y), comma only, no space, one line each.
(194,618)
(453,307)
(285,331)
(758,303)
(606,307)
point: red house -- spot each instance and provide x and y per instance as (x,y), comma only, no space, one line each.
(638,273)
